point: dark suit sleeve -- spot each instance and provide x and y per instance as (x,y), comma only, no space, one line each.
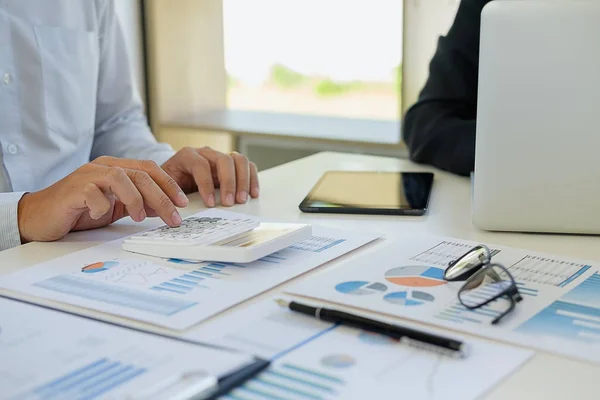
(440,128)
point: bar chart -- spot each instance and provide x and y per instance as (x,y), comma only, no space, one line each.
(458,313)
(89,381)
(200,277)
(193,279)
(219,270)
(526,291)
(115,295)
(575,316)
(317,244)
(587,292)
(566,320)
(206,272)
(289,381)
(184,284)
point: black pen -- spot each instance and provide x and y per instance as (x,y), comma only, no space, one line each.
(412,336)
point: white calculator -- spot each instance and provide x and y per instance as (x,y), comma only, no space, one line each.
(216,235)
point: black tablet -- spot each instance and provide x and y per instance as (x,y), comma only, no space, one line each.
(360,192)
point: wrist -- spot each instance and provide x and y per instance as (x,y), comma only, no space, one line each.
(24,218)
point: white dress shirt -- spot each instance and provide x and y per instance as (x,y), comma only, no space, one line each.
(66,97)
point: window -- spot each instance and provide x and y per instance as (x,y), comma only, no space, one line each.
(319,57)
(290,72)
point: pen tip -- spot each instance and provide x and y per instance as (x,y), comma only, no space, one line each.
(282,302)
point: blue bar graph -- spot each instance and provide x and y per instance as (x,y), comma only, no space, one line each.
(526,291)
(193,279)
(284,381)
(491,290)
(587,292)
(461,314)
(276,256)
(117,295)
(216,270)
(89,381)
(223,265)
(316,244)
(273,259)
(575,276)
(185,283)
(183,262)
(566,320)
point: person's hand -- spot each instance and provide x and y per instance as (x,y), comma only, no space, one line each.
(206,169)
(98,194)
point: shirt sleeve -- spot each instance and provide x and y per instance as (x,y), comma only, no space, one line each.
(9,224)
(121,128)
(440,128)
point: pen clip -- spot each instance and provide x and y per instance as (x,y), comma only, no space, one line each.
(196,384)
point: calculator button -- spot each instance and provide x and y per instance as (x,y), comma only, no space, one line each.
(197,231)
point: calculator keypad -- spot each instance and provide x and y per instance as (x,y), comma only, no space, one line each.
(198,230)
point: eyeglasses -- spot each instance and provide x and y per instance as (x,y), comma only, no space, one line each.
(486,282)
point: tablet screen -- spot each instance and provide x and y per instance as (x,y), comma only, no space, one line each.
(371,190)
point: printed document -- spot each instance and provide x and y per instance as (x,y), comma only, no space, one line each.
(49,354)
(313,359)
(172,293)
(560,312)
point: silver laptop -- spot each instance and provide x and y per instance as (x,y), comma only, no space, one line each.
(537,160)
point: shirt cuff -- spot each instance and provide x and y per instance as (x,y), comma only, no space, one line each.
(9,223)
(161,157)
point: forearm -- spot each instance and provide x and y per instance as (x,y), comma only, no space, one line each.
(440,128)
(438,137)
(121,129)
(9,223)
(127,136)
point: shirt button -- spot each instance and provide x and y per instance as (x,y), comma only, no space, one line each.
(6,78)
(13,149)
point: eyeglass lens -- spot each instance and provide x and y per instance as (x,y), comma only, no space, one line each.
(468,264)
(484,286)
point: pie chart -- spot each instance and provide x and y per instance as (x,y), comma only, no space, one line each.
(99,267)
(416,276)
(406,298)
(361,288)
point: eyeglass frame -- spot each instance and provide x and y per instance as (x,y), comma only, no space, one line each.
(512,291)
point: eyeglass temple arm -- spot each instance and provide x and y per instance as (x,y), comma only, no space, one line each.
(512,307)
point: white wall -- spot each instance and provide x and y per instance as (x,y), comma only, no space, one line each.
(129,15)
(424,22)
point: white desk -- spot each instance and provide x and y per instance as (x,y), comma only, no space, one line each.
(282,188)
